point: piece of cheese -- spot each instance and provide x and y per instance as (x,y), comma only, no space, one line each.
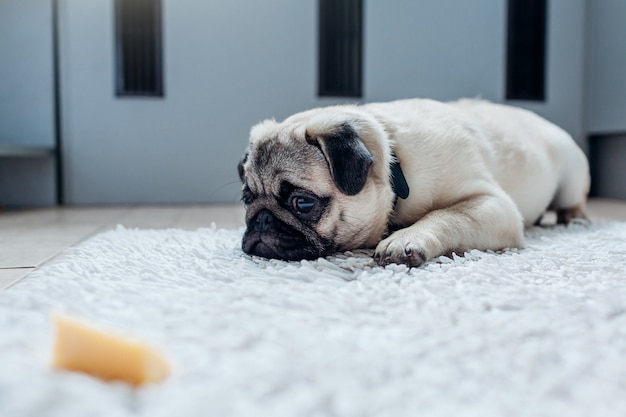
(79,347)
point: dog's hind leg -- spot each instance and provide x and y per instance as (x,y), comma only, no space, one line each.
(565,216)
(571,195)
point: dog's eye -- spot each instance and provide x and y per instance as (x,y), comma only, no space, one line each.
(247,197)
(302,205)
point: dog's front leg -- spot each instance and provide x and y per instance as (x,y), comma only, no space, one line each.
(480,222)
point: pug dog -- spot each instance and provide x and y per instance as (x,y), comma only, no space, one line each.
(415,179)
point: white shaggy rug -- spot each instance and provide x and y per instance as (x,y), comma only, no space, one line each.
(535,332)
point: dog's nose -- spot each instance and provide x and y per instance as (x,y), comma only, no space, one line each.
(264,220)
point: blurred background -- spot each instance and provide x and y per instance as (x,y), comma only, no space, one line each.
(106,102)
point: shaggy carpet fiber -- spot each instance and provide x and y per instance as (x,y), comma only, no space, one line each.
(534,332)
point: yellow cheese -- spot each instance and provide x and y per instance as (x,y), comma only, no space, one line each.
(79,347)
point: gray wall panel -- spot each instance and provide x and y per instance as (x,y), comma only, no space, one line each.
(606,66)
(231,64)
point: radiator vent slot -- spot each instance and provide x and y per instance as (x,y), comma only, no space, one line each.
(340,48)
(138,44)
(526,50)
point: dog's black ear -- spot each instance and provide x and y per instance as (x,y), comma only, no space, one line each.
(348,159)
(240,166)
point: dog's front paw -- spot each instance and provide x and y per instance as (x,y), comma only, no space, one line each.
(397,251)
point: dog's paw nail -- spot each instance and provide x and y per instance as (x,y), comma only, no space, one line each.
(413,257)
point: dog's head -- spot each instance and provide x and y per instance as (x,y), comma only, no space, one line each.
(315,184)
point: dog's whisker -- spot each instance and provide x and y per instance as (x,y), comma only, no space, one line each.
(221,187)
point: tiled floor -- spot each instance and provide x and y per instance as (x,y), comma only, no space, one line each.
(30,238)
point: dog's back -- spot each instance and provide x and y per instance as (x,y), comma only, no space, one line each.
(542,166)
(534,161)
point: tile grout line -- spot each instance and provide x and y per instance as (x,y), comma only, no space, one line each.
(97,230)
(4,268)
(15,281)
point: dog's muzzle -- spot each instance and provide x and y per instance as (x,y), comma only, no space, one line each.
(269,237)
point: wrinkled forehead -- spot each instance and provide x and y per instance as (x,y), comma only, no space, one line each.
(273,160)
